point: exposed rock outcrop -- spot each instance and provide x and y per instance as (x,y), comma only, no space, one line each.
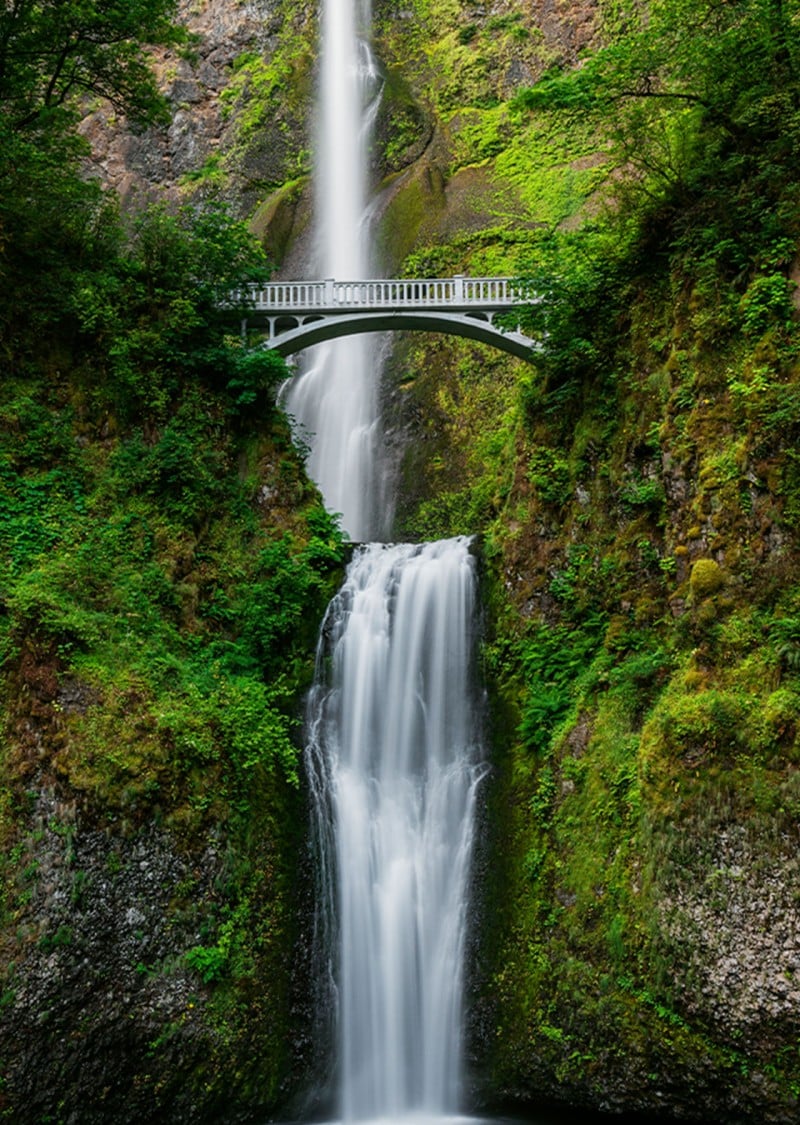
(202,150)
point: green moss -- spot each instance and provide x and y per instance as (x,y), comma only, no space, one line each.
(706,578)
(212,173)
(638,510)
(266,103)
(411,209)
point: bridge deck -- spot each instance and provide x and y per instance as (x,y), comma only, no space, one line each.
(491,294)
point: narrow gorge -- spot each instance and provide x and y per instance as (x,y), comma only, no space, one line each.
(414,729)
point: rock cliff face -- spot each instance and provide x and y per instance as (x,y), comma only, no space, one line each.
(207,149)
(242,125)
(88,997)
(641,931)
(153,955)
(640,947)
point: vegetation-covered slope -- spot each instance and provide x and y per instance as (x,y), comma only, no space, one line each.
(164,565)
(637,491)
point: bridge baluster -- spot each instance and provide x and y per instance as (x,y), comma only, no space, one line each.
(399,292)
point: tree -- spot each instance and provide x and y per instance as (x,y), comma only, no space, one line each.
(689,76)
(53,51)
(699,105)
(53,221)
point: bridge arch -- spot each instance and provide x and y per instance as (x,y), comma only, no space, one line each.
(304,333)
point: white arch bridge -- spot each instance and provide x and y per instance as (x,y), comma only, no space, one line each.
(301,313)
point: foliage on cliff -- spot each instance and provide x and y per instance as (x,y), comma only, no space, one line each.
(637,491)
(163,567)
(54,51)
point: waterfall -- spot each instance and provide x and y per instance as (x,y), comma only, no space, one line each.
(394,764)
(392,753)
(334,400)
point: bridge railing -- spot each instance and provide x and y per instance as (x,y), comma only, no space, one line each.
(450,292)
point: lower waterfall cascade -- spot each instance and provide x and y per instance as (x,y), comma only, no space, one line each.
(394,764)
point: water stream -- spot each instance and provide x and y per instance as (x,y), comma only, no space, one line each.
(394,764)
(392,757)
(334,399)
(393,750)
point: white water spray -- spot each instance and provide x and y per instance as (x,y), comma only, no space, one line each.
(334,401)
(394,766)
(392,758)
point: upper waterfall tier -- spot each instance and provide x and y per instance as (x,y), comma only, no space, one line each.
(334,400)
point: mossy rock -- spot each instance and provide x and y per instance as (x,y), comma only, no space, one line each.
(403,129)
(706,578)
(416,200)
(283,217)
